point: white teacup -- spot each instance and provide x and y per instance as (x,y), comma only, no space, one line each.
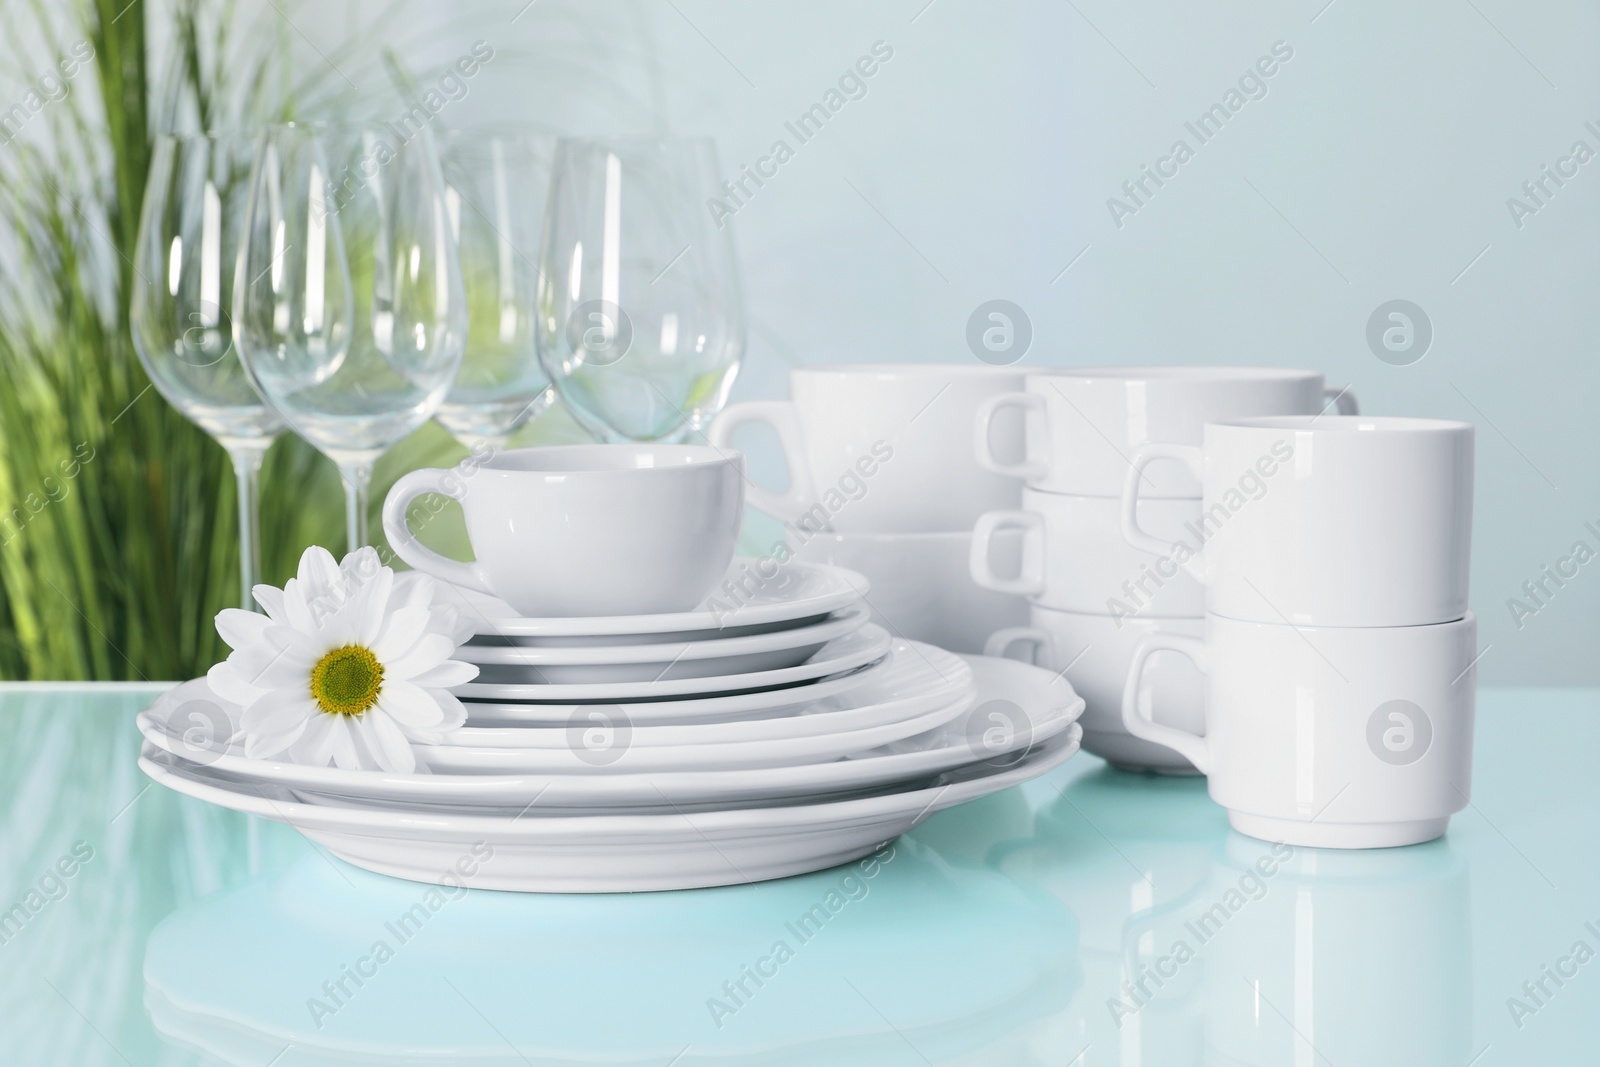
(1093,651)
(1074,557)
(1333,737)
(1083,424)
(1325,520)
(883,447)
(583,530)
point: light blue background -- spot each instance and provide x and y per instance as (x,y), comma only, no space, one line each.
(1378,166)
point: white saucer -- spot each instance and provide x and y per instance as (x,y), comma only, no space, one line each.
(842,654)
(796,591)
(609,853)
(662,660)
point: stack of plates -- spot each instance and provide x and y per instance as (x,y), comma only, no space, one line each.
(711,747)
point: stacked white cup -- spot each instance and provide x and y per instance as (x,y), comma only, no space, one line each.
(882,480)
(1092,595)
(1338,649)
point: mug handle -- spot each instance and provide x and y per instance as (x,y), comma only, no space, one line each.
(1029,404)
(785,421)
(1191,747)
(405,543)
(1000,642)
(1190,456)
(1030,579)
(1344,401)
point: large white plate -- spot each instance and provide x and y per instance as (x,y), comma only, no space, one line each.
(842,654)
(662,660)
(609,853)
(795,592)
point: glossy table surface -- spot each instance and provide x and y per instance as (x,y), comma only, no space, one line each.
(1090,917)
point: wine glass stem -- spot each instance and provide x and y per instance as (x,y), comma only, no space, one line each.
(247,471)
(357,477)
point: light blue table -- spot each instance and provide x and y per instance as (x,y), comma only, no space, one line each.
(1091,917)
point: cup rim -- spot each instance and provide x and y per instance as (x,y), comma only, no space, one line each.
(605,458)
(1470,618)
(1186,373)
(1388,424)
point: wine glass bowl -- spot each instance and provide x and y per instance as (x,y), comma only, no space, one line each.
(350,315)
(495,187)
(641,321)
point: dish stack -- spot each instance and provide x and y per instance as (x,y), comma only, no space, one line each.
(731,743)
(882,480)
(1093,595)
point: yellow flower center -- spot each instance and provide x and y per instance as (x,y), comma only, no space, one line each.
(346,681)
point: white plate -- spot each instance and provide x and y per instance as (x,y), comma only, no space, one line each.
(797,591)
(610,853)
(1048,703)
(659,661)
(842,654)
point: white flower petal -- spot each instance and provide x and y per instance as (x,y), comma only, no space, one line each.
(387,743)
(316,748)
(426,654)
(374,599)
(227,685)
(296,610)
(410,705)
(265,746)
(238,627)
(401,631)
(450,672)
(345,754)
(455,713)
(270,597)
(319,572)
(276,712)
(281,659)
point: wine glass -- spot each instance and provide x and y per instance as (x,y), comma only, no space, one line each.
(641,322)
(180,309)
(495,187)
(349,316)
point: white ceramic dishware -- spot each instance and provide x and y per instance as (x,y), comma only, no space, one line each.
(1083,424)
(754,596)
(866,645)
(1092,652)
(621,529)
(661,661)
(1324,520)
(1074,557)
(1047,703)
(1332,737)
(883,447)
(922,587)
(610,853)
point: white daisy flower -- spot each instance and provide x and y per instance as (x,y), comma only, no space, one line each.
(349,665)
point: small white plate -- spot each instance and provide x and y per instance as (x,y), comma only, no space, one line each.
(609,853)
(659,661)
(842,654)
(796,591)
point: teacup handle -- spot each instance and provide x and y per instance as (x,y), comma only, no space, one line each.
(405,543)
(1031,404)
(1030,579)
(782,417)
(1343,400)
(1190,456)
(1191,747)
(1000,643)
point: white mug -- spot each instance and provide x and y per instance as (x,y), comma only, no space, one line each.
(1325,520)
(1082,425)
(883,448)
(920,585)
(1075,558)
(1333,737)
(1094,651)
(583,530)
